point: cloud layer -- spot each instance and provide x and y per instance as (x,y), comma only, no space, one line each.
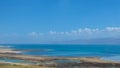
(111,30)
(81,33)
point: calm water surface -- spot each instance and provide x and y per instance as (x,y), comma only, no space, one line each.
(107,52)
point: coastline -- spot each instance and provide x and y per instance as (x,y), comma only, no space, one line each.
(60,61)
(16,65)
(46,61)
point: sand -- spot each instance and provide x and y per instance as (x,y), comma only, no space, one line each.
(50,61)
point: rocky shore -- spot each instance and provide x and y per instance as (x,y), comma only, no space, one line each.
(63,62)
(56,62)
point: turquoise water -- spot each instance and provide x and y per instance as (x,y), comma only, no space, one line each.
(10,60)
(108,52)
(16,61)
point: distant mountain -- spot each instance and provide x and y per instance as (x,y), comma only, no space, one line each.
(94,41)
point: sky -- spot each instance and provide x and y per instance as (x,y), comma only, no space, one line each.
(46,21)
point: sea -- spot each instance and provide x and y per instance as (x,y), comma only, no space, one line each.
(105,52)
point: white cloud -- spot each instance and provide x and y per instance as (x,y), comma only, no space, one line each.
(90,32)
(52,32)
(81,32)
(117,29)
(76,32)
(85,30)
(35,34)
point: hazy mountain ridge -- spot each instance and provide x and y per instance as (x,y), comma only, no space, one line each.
(94,41)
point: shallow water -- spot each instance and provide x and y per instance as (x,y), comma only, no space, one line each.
(10,60)
(16,61)
(107,52)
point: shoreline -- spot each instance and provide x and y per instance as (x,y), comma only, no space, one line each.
(59,61)
(48,61)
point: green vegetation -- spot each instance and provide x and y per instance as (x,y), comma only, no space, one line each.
(2,65)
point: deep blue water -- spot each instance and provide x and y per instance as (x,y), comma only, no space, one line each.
(107,52)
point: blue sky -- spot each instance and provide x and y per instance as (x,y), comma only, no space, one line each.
(41,21)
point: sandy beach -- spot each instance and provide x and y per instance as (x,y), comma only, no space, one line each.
(55,61)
